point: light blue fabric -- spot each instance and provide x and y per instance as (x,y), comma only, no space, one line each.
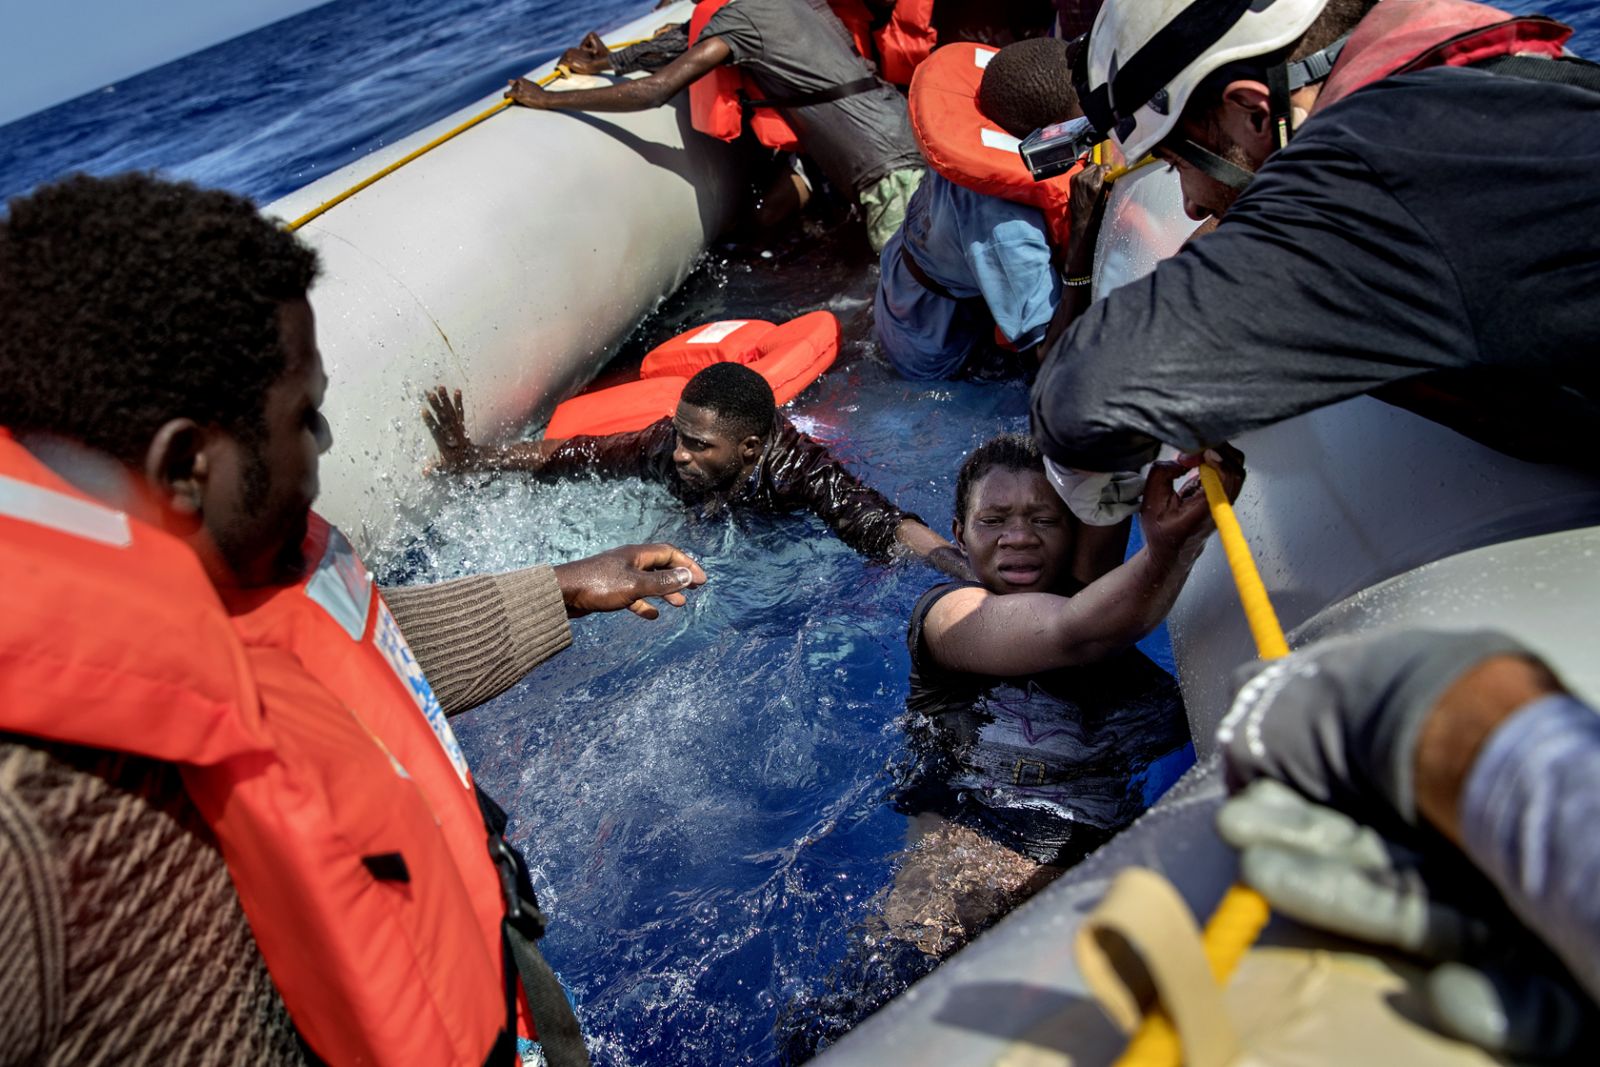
(975,246)
(1530,820)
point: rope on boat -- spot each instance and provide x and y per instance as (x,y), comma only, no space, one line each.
(559,72)
(1242,913)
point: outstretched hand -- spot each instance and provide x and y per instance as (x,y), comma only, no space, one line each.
(624,577)
(446,419)
(1176,522)
(528,94)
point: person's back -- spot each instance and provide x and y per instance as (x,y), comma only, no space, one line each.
(793,48)
(1408,243)
(977,254)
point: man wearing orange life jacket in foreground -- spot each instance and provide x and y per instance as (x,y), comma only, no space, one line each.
(174,765)
(821,98)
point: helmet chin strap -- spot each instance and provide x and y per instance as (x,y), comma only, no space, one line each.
(1282,80)
(1210,164)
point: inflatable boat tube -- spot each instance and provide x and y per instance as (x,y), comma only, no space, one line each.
(1016,996)
(1362,517)
(438,273)
(790,357)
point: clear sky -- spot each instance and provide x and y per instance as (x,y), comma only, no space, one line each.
(56,50)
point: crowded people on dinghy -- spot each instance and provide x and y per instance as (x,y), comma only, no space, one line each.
(1390,248)
(819,97)
(973,268)
(186,644)
(1039,727)
(726,446)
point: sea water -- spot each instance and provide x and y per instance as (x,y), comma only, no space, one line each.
(704,798)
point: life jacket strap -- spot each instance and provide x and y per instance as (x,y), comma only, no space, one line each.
(559,1034)
(1569,70)
(822,96)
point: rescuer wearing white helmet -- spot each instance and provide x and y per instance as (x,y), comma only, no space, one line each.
(1385,226)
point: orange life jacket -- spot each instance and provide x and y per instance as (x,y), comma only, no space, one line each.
(716,100)
(334,622)
(1400,36)
(906,40)
(790,357)
(968,149)
(346,879)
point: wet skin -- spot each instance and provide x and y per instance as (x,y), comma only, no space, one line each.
(708,458)
(1017,535)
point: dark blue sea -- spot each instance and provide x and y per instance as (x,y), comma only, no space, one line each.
(704,798)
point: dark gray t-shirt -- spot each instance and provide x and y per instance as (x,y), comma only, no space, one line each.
(795,47)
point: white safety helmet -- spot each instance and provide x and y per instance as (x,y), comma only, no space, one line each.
(1145,57)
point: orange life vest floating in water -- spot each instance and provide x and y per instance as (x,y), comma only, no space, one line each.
(967,148)
(906,40)
(790,357)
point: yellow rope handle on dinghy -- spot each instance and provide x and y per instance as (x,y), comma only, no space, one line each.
(559,72)
(1242,913)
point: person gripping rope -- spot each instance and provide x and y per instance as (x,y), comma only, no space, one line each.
(1391,247)
(977,257)
(822,98)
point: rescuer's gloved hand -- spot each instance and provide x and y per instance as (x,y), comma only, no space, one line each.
(1339,721)
(1496,986)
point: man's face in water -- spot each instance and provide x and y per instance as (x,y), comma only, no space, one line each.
(1017,533)
(710,459)
(260,492)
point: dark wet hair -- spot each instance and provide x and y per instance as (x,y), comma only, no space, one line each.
(740,398)
(1008,452)
(131,300)
(1028,85)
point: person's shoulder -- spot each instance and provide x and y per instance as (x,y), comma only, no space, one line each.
(928,601)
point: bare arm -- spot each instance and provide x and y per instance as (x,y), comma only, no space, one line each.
(1099,550)
(922,542)
(1088,200)
(640,94)
(1021,633)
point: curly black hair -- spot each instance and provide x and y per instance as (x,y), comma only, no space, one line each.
(1028,85)
(740,398)
(1008,452)
(131,300)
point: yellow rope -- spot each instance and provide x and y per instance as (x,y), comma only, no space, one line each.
(559,72)
(1242,913)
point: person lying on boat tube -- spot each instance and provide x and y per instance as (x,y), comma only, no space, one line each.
(974,266)
(726,446)
(1040,730)
(1372,235)
(184,642)
(818,96)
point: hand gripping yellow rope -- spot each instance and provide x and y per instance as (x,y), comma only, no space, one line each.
(559,72)
(1242,913)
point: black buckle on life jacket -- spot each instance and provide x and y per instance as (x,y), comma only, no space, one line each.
(522,911)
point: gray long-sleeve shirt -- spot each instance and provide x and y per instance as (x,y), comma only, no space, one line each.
(1530,820)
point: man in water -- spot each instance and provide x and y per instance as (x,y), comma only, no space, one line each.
(852,124)
(726,445)
(1392,247)
(159,438)
(1041,730)
(968,263)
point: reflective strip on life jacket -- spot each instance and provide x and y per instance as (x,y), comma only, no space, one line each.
(334,621)
(111,635)
(962,144)
(1400,36)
